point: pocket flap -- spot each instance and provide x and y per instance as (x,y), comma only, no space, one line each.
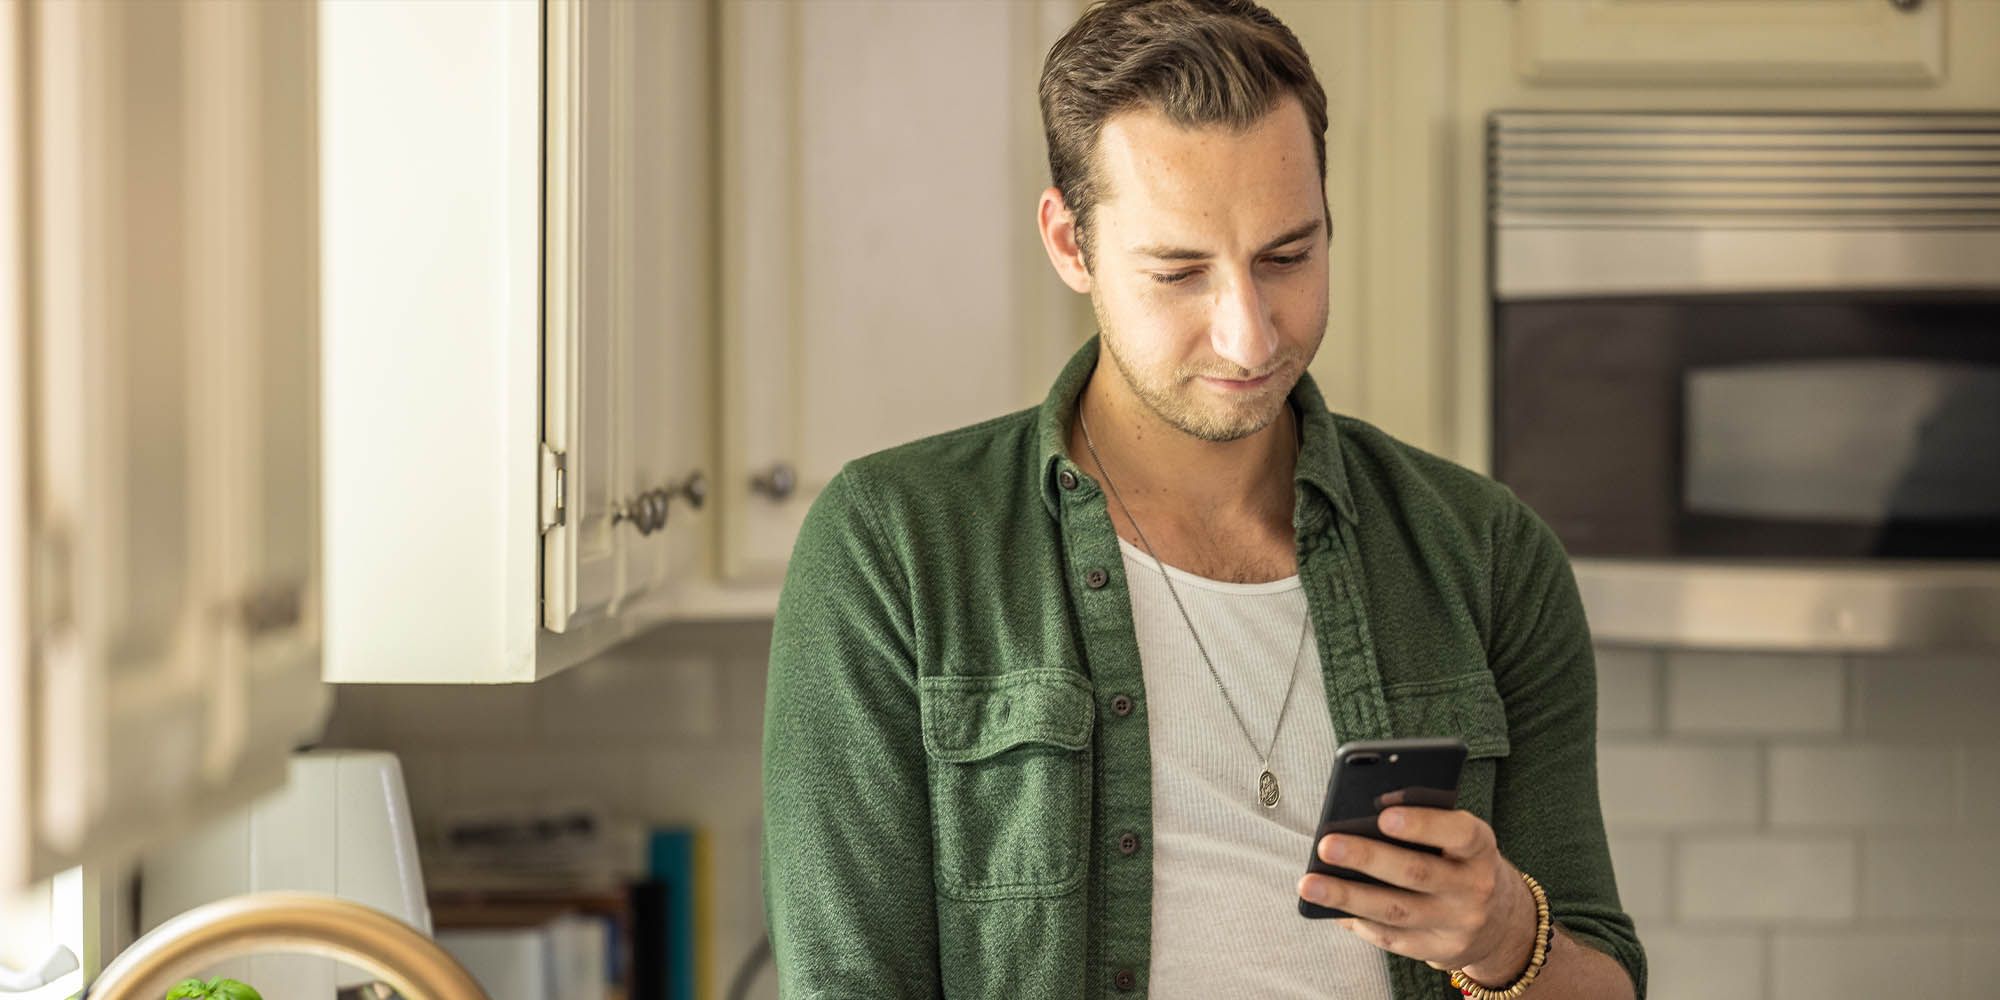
(969,718)
(1468,707)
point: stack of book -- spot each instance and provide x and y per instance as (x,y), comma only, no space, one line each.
(648,920)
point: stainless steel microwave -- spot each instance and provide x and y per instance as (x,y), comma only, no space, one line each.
(1747,366)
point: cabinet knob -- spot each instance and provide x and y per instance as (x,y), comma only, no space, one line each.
(777,482)
(271,607)
(656,511)
(648,511)
(1906,5)
(694,489)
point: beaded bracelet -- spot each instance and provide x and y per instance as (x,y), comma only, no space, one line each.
(1544,935)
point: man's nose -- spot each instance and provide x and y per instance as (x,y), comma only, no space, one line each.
(1241,331)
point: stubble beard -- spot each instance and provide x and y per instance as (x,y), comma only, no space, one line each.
(1179,400)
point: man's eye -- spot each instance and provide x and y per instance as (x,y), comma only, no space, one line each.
(1172,277)
(1292,260)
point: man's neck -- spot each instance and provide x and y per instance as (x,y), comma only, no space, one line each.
(1162,470)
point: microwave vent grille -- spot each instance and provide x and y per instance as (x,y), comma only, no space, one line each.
(1744,170)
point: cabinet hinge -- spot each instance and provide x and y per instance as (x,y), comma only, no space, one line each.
(555,490)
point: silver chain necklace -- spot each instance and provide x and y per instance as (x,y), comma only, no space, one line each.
(1267,783)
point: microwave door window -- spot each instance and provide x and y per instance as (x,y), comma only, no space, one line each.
(1860,457)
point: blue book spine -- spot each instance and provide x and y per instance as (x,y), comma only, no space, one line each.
(671,859)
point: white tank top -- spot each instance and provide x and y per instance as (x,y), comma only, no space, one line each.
(1226,922)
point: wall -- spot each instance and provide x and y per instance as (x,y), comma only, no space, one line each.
(1797,827)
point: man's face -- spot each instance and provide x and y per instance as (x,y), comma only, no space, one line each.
(1208,272)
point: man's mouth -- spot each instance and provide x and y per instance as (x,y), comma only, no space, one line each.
(1238,385)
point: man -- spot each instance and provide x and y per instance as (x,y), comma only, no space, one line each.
(1053,698)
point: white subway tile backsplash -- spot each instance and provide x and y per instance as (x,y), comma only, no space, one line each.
(1927,697)
(740,653)
(743,683)
(1755,693)
(1860,785)
(540,779)
(1803,878)
(439,715)
(633,699)
(710,783)
(1874,962)
(1977,944)
(1642,865)
(1934,877)
(1692,964)
(1979,796)
(1628,690)
(352,721)
(428,780)
(1656,785)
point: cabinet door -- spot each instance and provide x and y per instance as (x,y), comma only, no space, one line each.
(1836,42)
(17,669)
(883,277)
(670,378)
(628,285)
(171,637)
(263,417)
(431,250)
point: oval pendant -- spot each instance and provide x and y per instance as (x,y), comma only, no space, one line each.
(1267,789)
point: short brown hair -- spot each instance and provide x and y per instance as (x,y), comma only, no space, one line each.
(1199,62)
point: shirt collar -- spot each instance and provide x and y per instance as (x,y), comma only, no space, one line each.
(1319,462)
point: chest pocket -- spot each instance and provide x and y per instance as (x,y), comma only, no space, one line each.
(1010,781)
(1467,706)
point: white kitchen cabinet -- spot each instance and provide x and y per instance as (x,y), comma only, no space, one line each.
(629,327)
(519,307)
(883,277)
(159,526)
(1722,42)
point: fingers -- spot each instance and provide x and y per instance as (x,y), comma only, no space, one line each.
(1398,866)
(1434,908)
(1386,906)
(1383,936)
(1460,834)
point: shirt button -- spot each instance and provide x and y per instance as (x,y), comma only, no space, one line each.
(1067,479)
(1128,843)
(1121,706)
(1124,980)
(1096,579)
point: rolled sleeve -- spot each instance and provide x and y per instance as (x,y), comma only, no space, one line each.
(1546,812)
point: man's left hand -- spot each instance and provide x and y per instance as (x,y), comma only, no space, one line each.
(1467,909)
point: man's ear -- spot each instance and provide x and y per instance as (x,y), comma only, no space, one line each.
(1059,239)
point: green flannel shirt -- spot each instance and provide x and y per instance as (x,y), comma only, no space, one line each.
(955,731)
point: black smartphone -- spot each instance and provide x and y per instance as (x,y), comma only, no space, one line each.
(1372,775)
